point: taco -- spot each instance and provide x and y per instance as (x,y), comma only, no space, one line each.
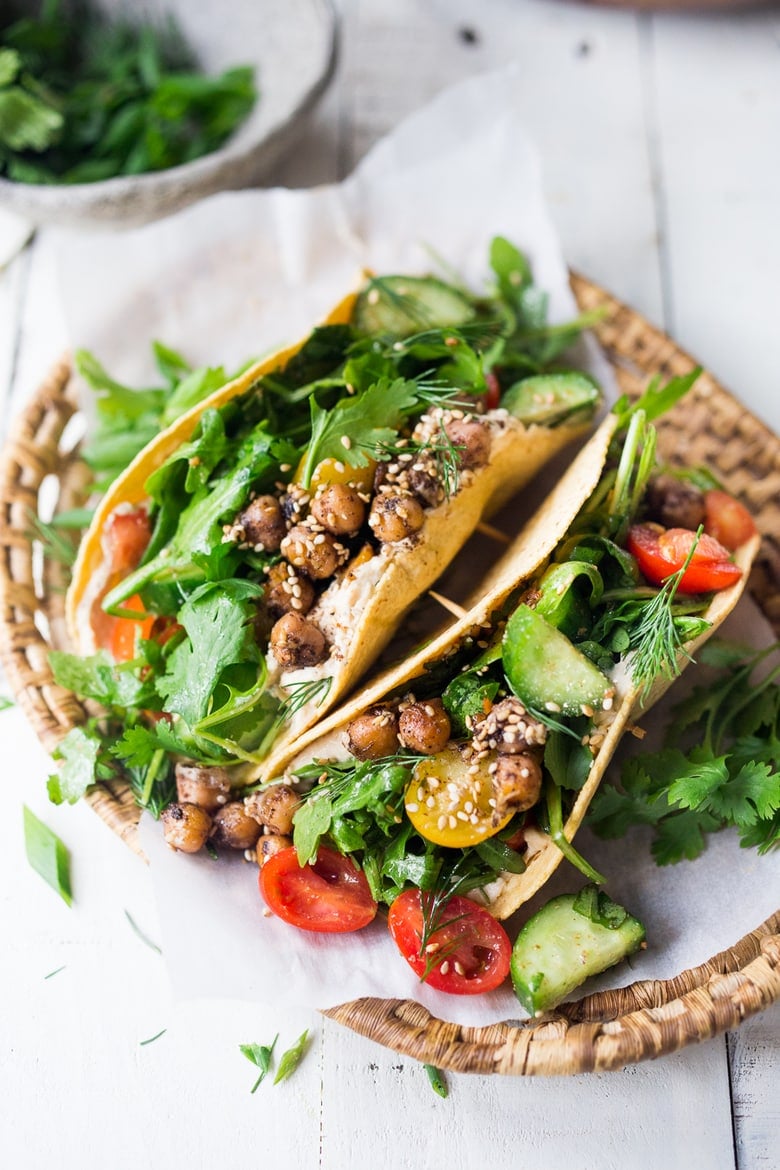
(255,557)
(470,767)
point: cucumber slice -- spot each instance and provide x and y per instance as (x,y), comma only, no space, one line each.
(571,938)
(562,603)
(548,399)
(546,671)
(403,305)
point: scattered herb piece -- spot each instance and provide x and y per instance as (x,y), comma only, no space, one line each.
(151,1040)
(56,971)
(291,1058)
(78,752)
(48,855)
(143,937)
(260,1056)
(436,1077)
(5,703)
(731,777)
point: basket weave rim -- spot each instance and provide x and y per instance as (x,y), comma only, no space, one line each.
(598,1033)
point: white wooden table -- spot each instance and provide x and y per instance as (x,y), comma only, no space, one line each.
(660,138)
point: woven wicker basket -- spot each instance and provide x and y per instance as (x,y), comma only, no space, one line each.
(597,1033)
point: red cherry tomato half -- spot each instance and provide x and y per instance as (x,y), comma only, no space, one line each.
(493,396)
(659,554)
(330,894)
(127,630)
(475,949)
(727,520)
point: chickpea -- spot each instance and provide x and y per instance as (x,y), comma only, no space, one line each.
(395,516)
(273,807)
(373,734)
(263,523)
(207,787)
(315,554)
(675,503)
(233,828)
(269,845)
(285,588)
(339,509)
(517,783)
(425,727)
(296,642)
(472,439)
(185,827)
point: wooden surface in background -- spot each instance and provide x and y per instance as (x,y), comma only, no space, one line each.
(659,140)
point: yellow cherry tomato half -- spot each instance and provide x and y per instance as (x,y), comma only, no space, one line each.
(449,803)
(334,471)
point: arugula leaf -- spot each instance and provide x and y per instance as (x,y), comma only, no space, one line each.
(355,425)
(47,855)
(437,1081)
(311,822)
(291,1058)
(79,752)
(260,1056)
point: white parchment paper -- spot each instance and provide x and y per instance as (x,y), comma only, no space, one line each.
(244,272)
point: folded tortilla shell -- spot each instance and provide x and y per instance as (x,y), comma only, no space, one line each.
(361,608)
(526,556)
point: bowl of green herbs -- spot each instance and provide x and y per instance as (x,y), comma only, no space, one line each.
(118,114)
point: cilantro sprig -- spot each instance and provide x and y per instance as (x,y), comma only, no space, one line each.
(729,778)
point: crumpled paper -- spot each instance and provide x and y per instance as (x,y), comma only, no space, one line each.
(244,272)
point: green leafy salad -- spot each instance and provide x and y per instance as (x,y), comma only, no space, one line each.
(212,611)
(85,97)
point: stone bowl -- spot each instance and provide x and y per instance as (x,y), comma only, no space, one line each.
(292,46)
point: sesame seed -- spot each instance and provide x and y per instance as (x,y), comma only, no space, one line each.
(428,709)
(469,806)
(445,967)
(432,948)
(461,815)
(285,466)
(373,296)
(430,802)
(458,968)
(441,823)
(346,442)
(412,808)
(452,821)
(421,793)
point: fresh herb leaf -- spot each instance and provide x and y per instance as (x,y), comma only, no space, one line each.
(260,1056)
(47,855)
(730,777)
(436,1078)
(56,971)
(291,1058)
(140,934)
(5,703)
(597,907)
(79,752)
(151,1040)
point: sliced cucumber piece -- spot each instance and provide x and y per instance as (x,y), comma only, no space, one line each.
(571,938)
(547,399)
(546,671)
(403,305)
(562,603)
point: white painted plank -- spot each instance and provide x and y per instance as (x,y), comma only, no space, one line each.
(754,1051)
(718,113)
(582,103)
(669,1114)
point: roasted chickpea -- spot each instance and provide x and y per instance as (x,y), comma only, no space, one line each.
(373,734)
(424,727)
(287,591)
(207,787)
(234,828)
(185,827)
(395,516)
(263,523)
(273,807)
(425,485)
(674,503)
(517,783)
(472,439)
(296,642)
(314,553)
(339,509)
(268,845)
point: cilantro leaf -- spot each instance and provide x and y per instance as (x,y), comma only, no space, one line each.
(78,752)
(260,1056)
(97,677)
(368,421)
(217,619)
